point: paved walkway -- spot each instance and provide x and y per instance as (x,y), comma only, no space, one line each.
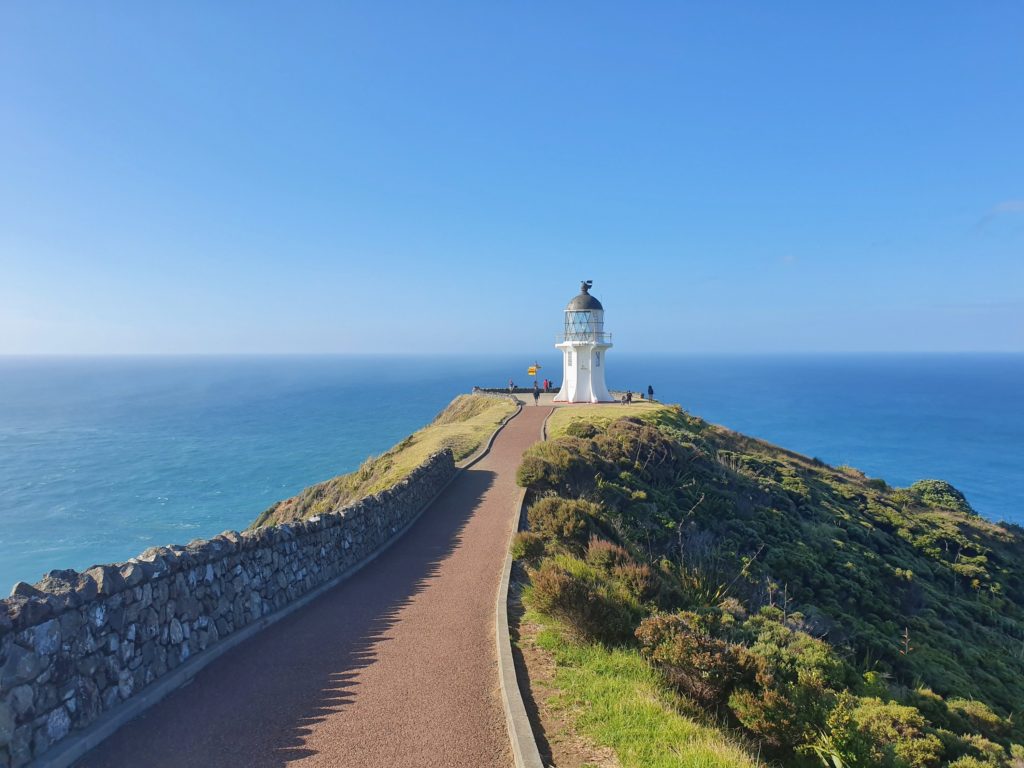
(394,667)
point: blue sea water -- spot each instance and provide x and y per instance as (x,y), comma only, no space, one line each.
(103,457)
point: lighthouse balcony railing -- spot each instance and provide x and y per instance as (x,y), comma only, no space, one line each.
(584,336)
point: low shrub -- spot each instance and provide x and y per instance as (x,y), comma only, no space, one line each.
(972,762)
(558,466)
(528,546)
(582,429)
(985,750)
(532,472)
(605,555)
(939,493)
(976,716)
(791,685)
(565,520)
(590,605)
(784,655)
(682,647)
(898,735)
(785,717)
(637,579)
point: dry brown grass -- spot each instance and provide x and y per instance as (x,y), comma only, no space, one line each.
(463,426)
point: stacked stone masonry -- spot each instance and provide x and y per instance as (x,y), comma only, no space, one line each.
(77,645)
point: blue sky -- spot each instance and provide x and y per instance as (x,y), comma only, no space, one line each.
(437,177)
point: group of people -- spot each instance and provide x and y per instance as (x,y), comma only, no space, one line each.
(628,397)
(547,385)
(537,390)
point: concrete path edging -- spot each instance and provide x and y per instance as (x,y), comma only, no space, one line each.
(66,752)
(525,751)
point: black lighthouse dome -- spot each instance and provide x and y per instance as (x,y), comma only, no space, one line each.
(584,301)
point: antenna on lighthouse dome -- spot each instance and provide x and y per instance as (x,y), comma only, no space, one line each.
(586,285)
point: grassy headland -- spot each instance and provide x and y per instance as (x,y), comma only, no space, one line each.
(823,616)
(467,422)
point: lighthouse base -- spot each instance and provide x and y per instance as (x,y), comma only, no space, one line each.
(583,378)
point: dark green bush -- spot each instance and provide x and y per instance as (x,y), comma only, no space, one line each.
(841,739)
(589,605)
(898,734)
(790,656)
(682,647)
(939,493)
(988,751)
(784,717)
(565,466)
(791,684)
(976,716)
(528,546)
(582,429)
(566,521)
(973,762)
(532,472)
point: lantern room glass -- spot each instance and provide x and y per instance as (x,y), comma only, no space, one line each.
(584,325)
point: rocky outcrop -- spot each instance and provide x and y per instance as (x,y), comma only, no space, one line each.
(77,645)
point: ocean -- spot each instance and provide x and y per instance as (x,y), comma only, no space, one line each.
(101,458)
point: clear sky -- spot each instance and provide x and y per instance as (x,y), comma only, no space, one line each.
(438,177)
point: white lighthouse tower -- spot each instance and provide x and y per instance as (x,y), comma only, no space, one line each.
(583,346)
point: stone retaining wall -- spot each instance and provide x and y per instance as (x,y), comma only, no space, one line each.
(77,645)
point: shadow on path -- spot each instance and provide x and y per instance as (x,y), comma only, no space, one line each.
(255,705)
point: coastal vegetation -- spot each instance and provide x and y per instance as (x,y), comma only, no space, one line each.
(812,615)
(618,700)
(464,425)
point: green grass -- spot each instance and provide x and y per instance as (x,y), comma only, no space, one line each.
(907,585)
(465,425)
(616,700)
(603,415)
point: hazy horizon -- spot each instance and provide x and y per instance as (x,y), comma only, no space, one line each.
(549,357)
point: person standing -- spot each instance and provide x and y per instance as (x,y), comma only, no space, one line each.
(536,394)
(650,392)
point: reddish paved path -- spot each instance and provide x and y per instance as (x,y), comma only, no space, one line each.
(394,667)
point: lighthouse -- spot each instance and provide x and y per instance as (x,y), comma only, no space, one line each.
(583,344)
